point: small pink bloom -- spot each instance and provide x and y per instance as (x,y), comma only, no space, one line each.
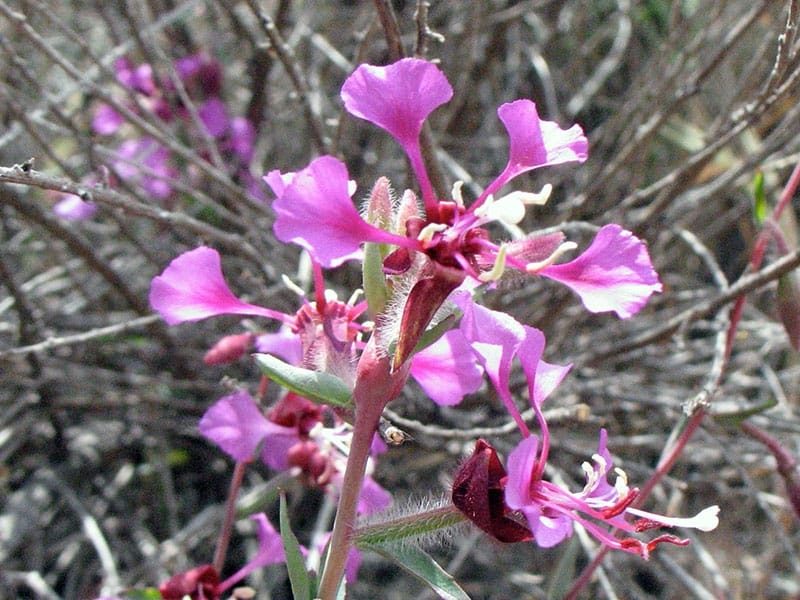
(613,274)
(192,288)
(106,120)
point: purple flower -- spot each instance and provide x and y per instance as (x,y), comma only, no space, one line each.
(73,208)
(613,275)
(551,510)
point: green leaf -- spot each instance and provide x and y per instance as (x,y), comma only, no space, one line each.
(564,573)
(298,576)
(322,388)
(759,198)
(421,565)
(735,418)
(142,594)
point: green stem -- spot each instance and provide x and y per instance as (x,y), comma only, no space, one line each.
(408,526)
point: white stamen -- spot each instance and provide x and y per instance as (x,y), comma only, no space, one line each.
(533,268)
(330,296)
(498,267)
(621,483)
(706,520)
(510,209)
(292,285)
(354,297)
(427,233)
(456,193)
(351,187)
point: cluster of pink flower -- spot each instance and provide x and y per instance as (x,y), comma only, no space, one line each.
(141,159)
(432,257)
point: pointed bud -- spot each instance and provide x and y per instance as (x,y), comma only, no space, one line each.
(379,205)
(409,207)
(229,349)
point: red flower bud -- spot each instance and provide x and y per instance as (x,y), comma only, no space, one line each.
(200,583)
(478,493)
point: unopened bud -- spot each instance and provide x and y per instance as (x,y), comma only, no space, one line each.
(229,349)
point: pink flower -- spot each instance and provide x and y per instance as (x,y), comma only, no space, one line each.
(551,510)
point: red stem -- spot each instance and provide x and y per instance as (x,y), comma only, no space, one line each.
(230,516)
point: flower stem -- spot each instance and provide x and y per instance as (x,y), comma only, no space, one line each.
(408,526)
(230,515)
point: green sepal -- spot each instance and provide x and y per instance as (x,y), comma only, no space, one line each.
(322,388)
(737,417)
(759,198)
(298,576)
(374,281)
(423,567)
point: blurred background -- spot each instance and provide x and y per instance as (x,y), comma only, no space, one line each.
(143,129)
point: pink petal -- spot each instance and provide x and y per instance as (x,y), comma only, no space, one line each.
(447,369)
(314,210)
(373,497)
(613,274)
(520,465)
(285,344)
(72,208)
(270,545)
(535,143)
(192,288)
(214,116)
(106,120)
(236,424)
(398,97)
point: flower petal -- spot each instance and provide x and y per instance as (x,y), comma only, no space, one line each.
(535,143)
(613,274)
(314,210)
(398,97)
(447,369)
(192,288)
(236,424)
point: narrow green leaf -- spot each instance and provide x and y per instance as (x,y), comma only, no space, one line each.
(298,576)
(421,565)
(564,573)
(322,388)
(759,198)
(735,418)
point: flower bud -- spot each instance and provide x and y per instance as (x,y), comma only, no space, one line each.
(229,349)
